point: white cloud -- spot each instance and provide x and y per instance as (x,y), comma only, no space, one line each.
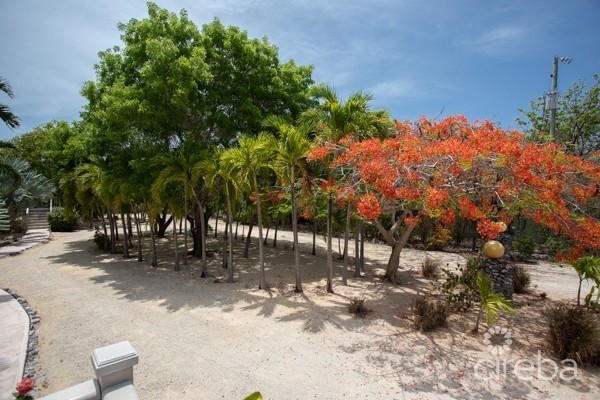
(505,39)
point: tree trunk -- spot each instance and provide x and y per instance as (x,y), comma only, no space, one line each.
(217,225)
(261,257)
(329,245)
(346,238)
(298,288)
(125,240)
(314,242)
(113,239)
(163,223)
(138,229)
(356,249)
(129,227)
(203,240)
(391,270)
(185,228)
(266,235)
(237,224)
(247,245)
(362,247)
(106,238)
(153,246)
(275,234)
(176,245)
(224,248)
(229,237)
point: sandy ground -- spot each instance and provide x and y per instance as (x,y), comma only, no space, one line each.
(200,339)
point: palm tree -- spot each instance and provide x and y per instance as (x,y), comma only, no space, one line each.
(336,119)
(291,150)
(7,171)
(7,116)
(491,302)
(184,169)
(217,171)
(252,155)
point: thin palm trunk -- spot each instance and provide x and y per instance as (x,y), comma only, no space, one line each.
(217,224)
(185,227)
(346,239)
(261,257)
(314,241)
(113,237)
(298,288)
(153,246)
(266,235)
(138,229)
(106,241)
(247,245)
(362,247)
(176,244)
(329,245)
(202,239)
(229,236)
(356,249)
(125,240)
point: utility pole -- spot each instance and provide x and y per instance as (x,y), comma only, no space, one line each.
(553,95)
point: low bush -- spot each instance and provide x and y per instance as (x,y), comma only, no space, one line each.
(522,280)
(524,246)
(357,307)
(556,245)
(460,288)
(429,314)
(574,332)
(101,240)
(62,220)
(430,268)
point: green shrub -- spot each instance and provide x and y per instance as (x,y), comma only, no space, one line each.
(522,280)
(524,246)
(430,268)
(61,220)
(101,240)
(429,314)
(574,332)
(18,225)
(555,245)
(461,288)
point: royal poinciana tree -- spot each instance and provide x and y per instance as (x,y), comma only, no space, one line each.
(450,169)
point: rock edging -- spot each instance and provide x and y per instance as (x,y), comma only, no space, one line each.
(32,342)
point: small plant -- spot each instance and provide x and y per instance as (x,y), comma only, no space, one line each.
(587,267)
(460,289)
(357,307)
(61,220)
(522,280)
(491,302)
(254,396)
(429,314)
(101,240)
(574,333)
(524,246)
(430,268)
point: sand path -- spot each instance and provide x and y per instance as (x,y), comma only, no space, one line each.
(199,339)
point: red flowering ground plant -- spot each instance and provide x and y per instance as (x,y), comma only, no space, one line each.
(477,171)
(24,386)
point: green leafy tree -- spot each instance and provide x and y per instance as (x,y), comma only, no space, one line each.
(577,120)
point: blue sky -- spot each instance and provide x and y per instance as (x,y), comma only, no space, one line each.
(483,59)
